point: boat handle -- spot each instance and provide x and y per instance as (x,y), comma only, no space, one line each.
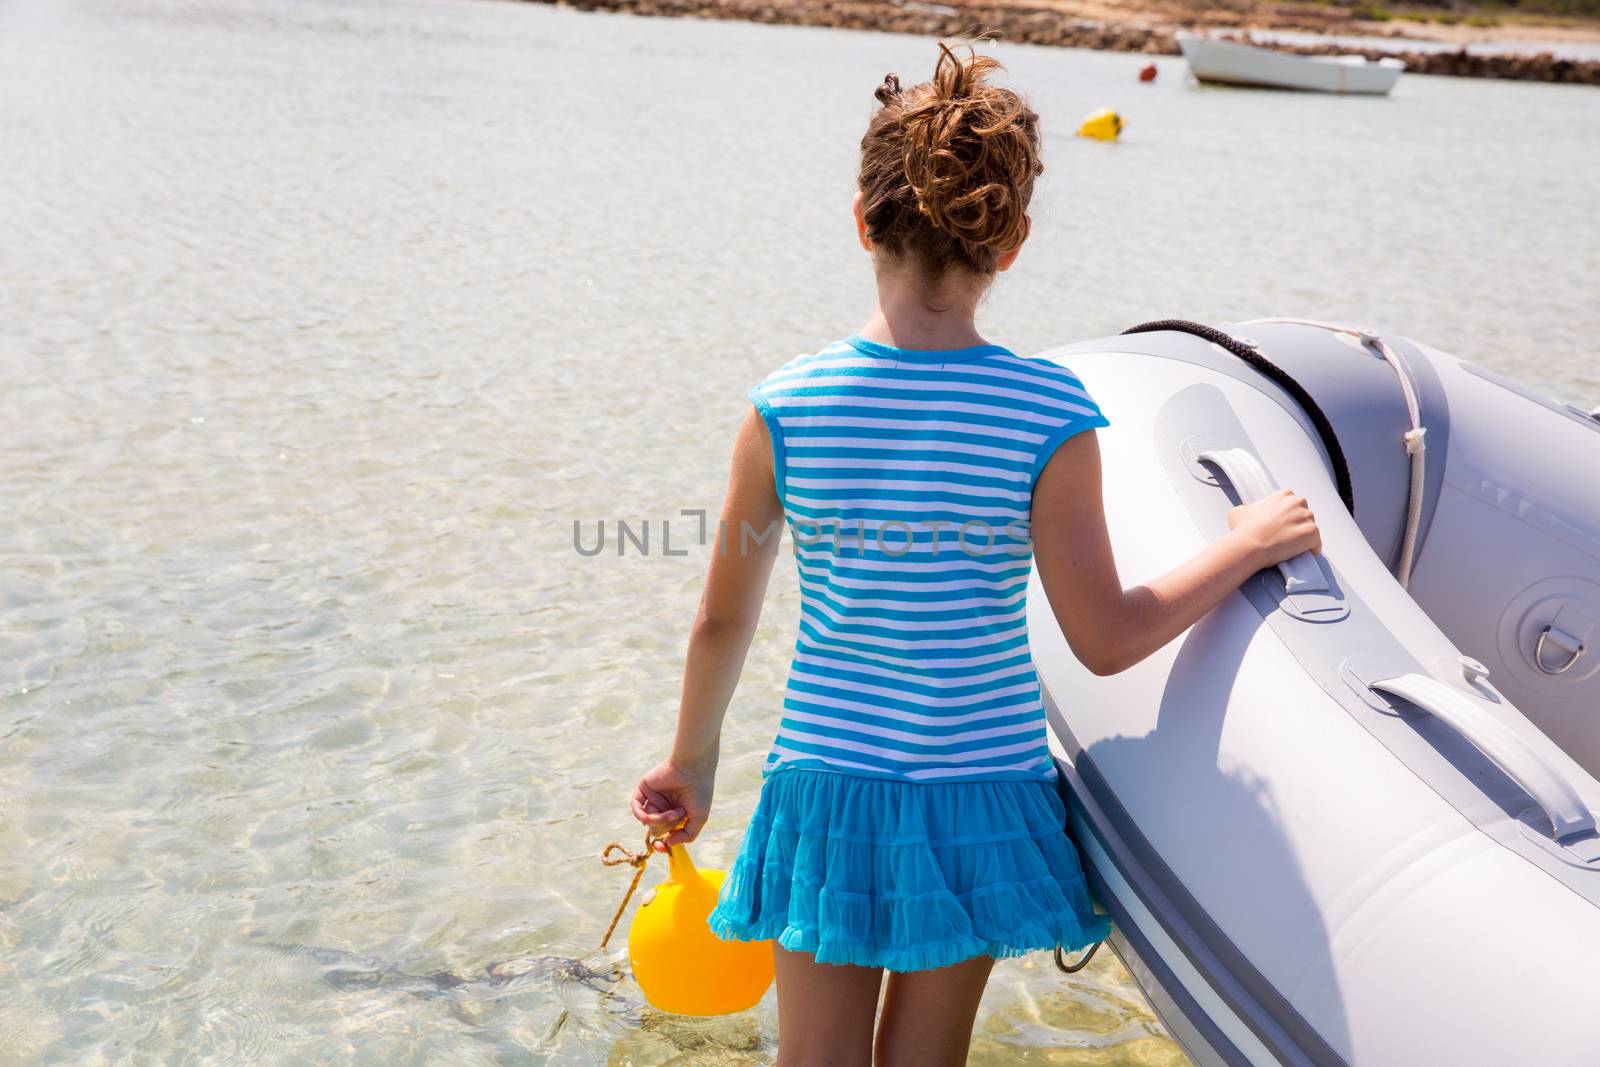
(1470,717)
(1562,640)
(1251,482)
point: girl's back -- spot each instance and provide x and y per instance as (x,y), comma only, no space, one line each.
(906,478)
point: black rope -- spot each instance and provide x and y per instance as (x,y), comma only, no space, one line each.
(1341,469)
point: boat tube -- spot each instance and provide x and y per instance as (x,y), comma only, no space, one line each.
(1350,816)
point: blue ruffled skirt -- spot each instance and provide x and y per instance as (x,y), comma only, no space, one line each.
(907,876)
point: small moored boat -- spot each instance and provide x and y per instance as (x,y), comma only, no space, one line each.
(1213,59)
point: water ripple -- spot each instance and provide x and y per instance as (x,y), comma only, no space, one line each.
(325,322)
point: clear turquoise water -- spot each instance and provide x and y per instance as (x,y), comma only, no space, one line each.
(320,325)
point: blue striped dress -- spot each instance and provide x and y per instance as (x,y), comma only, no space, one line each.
(911,762)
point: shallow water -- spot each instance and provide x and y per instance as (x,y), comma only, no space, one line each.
(322,323)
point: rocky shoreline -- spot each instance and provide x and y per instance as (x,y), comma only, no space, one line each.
(1045,26)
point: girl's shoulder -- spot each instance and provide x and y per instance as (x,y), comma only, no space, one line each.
(983,368)
(798,366)
(1042,369)
(855,350)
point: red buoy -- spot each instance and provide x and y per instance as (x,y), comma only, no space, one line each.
(1147,73)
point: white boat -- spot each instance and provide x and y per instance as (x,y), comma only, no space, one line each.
(1213,59)
(1350,816)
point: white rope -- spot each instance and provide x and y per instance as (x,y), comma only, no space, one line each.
(1412,439)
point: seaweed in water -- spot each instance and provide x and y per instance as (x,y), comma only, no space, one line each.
(351,972)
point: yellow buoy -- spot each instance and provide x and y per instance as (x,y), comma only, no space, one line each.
(1103,125)
(681,966)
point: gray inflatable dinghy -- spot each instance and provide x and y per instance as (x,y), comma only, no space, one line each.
(1350,816)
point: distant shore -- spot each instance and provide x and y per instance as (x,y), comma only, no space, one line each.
(1149,29)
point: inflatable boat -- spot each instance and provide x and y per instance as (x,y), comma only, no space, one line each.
(1350,816)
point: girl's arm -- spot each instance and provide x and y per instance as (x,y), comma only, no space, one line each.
(679,788)
(1110,628)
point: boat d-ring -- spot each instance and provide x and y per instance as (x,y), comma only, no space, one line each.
(1562,640)
(1076,965)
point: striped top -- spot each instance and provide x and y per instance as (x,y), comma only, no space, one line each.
(906,479)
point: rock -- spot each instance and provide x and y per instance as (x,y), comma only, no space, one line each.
(928,18)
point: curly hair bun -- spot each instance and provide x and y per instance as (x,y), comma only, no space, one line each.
(960,154)
(966,155)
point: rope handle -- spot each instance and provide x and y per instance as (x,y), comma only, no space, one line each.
(636,860)
(1079,964)
(1250,354)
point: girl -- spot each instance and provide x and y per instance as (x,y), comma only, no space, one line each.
(909,819)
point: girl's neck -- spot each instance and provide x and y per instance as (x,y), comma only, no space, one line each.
(914,313)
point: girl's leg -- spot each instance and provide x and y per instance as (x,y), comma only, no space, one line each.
(825,1011)
(927,1015)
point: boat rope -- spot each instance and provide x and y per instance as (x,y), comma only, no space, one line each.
(1412,439)
(1080,963)
(1248,353)
(636,860)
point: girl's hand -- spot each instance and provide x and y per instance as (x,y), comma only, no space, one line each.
(667,796)
(1278,526)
